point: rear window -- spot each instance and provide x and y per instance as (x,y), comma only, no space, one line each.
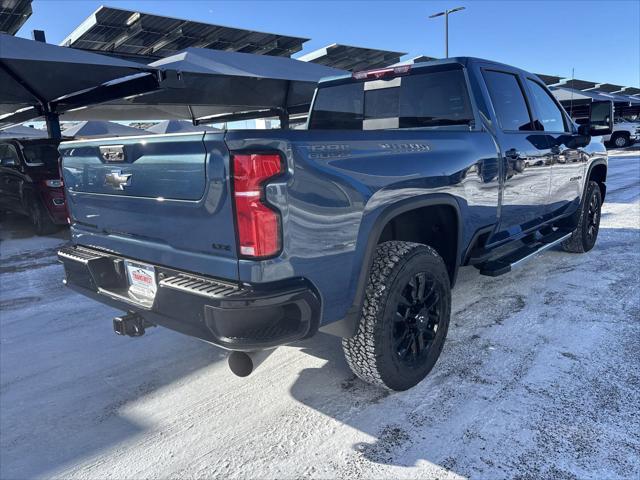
(414,101)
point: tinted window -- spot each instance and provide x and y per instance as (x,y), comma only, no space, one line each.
(433,99)
(381,103)
(41,154)
(418,100)
(508,101)
(548,112)
(339,107)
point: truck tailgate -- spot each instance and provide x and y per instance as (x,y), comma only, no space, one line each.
(162,199)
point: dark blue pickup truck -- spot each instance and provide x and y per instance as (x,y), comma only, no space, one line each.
(356,226)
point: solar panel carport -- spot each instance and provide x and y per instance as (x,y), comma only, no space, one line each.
(201,84)
(46,80)
(36,78)
(13,14)
(608,87)
(549,79)
(577,102)
(577,84)
(346,57)
(131,33)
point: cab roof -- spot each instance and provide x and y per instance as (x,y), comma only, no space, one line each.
(444,62)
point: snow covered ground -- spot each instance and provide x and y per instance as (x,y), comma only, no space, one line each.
(539,378)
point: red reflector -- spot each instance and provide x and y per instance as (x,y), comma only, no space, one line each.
(258,224)
(382,73)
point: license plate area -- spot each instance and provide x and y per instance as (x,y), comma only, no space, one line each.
(142,282)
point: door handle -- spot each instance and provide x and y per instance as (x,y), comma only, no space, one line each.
(512,153)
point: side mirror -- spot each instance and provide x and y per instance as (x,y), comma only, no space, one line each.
(600,120)
(577,140)
(8,162)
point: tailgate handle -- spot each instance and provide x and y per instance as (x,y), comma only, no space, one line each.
(112,153)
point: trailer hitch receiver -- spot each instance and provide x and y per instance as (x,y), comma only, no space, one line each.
(131,325)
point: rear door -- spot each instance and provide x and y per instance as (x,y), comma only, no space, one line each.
(162,199)
(525,153)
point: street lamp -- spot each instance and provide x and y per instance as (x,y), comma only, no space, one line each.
(446,26)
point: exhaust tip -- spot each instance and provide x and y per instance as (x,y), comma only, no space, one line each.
(240,364)
(244,363)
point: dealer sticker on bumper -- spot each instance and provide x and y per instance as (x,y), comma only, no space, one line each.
(142,281)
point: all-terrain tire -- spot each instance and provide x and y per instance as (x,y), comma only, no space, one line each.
(583,238)
(41,220)
(372,353)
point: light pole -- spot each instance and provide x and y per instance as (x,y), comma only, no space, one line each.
(446,26)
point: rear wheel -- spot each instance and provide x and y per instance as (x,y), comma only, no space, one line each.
(40,219)
(405,317)
(583,238)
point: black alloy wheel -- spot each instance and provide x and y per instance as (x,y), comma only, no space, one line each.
(418,316)
(593,219)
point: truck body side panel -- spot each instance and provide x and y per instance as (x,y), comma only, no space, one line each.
(340,182)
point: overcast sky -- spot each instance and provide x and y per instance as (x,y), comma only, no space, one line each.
(599,39)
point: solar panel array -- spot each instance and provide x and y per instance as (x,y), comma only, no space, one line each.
(549,79)
(579,84)
(130,33)
(609,87)
(13,14)
(146,37)
(351,58)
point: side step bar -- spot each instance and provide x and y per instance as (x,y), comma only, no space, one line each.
(500,266)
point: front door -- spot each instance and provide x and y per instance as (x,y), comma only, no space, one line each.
(526,157)
(568,164)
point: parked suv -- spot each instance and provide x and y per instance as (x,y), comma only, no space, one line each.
(30,183)
(355,227)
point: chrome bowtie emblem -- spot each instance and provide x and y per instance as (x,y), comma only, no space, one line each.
(117,179)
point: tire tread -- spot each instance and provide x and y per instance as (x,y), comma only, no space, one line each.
(359,350)
(575,243)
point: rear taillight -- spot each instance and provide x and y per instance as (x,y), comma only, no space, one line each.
(258,224)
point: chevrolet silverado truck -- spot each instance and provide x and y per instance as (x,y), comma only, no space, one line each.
(356,226)
(624,134)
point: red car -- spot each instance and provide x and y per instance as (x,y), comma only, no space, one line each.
(30,183)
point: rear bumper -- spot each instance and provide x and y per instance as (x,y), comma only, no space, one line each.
(233,316)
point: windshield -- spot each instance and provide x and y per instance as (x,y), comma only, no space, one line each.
(414,101)
(41,154)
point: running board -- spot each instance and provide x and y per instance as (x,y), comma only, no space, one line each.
(500,266)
